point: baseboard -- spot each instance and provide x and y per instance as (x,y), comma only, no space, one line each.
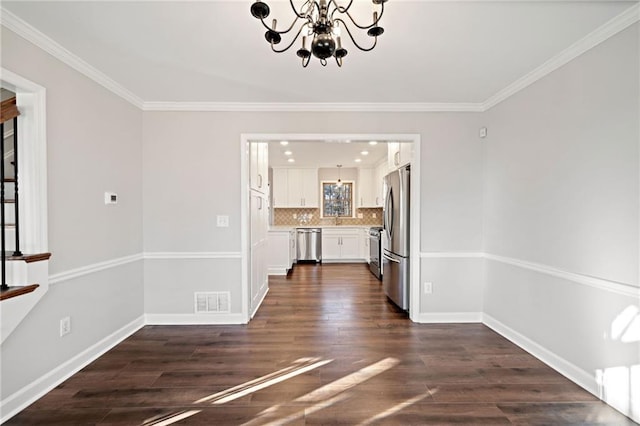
(259,303)
(194,319)
(561,365)
(571,371)
(447,317)
(277,270)
(26,396)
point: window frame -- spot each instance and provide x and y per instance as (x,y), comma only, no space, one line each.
(322,199)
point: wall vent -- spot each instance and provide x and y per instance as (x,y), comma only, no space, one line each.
(218,302)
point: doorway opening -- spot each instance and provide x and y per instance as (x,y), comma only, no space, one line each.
(319,152)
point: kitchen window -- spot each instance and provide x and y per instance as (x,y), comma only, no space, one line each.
(337,200)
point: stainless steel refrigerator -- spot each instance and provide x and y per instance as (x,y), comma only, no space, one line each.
(396,247)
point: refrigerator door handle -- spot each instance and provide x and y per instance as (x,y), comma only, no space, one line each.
(388,213)
(390,258)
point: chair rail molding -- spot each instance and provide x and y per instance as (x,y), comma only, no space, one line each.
(623,289)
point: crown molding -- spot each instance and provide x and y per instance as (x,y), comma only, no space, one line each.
(609,29)
(591,40)
(31,34)
(312,107)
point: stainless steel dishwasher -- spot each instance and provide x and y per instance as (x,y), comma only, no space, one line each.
(309,244)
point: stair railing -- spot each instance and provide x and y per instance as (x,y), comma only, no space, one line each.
(16,200)
(3,222)
(9,112)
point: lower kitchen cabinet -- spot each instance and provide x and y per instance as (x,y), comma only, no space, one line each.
(341,244)
(282,251)
(364,244)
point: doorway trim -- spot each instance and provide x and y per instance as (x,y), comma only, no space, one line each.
(247,138)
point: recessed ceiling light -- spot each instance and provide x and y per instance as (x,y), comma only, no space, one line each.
(288,153)
(358,160)
(373,142)
(284,143)
(365,153)
(291,160)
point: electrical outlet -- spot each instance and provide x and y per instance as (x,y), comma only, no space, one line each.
(110,198)
(295,216)
(360,215)
(65,326)
(428,288)
(222,221)
(374,215)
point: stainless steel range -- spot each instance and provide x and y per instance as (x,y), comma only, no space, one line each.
(375,251)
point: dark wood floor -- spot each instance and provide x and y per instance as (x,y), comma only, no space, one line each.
(325,348)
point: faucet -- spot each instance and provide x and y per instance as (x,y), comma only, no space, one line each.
(337,220)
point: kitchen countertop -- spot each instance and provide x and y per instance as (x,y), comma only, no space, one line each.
(288,228)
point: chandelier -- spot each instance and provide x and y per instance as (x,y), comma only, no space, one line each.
(323,21)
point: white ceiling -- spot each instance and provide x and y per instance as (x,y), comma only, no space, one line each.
(214,51)
(432,52)
(327,154)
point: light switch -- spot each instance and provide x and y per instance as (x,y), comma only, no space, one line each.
(222,221)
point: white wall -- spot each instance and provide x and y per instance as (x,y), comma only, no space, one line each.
(94,145)
(184,151)
(562,193)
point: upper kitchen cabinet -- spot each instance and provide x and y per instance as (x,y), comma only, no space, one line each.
(280,188)
(295,188)
(380,172)
(259,165)
(399,154)
(367,187)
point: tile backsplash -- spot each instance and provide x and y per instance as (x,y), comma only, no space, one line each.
(284,217)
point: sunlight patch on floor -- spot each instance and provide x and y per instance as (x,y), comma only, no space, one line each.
(170,419)
(395,409)
(300,366)
(324,396)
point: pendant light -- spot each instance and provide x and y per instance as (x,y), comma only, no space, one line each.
(339,183)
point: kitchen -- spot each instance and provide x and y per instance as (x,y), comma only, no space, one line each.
(324,204)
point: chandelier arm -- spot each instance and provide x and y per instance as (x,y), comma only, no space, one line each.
(299,14)
(364,49)
(290,44)
(345,11)
(338,8)
(293,24)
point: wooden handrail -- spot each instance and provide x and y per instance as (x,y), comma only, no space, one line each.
(8,110)
(10,292)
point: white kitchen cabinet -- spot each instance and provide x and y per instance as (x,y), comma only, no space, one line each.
(366,187)
(292,248)
(303,188)
(295,188)
(364,245)
(330,246)
(399,154)
(381,171)
(282,251)
(280,192)
(259,247)
(341,244)
(259,166)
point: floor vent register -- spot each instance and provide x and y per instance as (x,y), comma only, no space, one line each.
(213,302)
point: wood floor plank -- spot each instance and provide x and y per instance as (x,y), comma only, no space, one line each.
(326,347)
